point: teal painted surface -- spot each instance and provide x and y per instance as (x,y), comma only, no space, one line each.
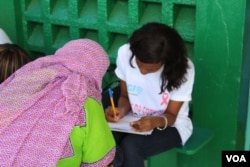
(47,25)
(245,115)
(247,137)
(8,19)
(212,29)
(218,60)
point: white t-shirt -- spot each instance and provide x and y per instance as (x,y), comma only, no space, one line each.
(4,37)
(143,91)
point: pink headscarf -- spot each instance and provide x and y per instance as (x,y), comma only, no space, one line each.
(40,103)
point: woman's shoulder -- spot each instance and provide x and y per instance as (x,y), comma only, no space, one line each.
(190,65)
(124,51)
(191,69)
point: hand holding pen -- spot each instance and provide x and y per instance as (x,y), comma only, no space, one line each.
(112,113)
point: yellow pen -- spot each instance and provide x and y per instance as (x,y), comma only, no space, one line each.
(112,100)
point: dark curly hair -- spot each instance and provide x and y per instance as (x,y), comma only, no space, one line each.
(157,42)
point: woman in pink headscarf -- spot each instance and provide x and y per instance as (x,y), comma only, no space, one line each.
(51,112)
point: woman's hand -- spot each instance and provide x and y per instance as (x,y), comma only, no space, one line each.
(112,116)
(145,123)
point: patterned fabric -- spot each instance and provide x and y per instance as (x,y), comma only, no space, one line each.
(42,102)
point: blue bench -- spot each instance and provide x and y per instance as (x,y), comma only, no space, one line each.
(198,140)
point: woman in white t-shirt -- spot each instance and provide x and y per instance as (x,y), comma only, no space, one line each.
(156,86)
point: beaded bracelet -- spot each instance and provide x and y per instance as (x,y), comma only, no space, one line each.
(166,123)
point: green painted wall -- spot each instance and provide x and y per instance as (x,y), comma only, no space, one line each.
(218,60)
(212,29)
(247,137)
(8,19)
(246,75)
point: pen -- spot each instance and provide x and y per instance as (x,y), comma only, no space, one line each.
(112,100)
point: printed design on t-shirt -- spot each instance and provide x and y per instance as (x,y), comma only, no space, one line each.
(164,98)
(134,89)
(142,111)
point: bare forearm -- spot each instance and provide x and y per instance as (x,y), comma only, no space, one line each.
(124,104)
(159,121)
(170,117)
(170,113)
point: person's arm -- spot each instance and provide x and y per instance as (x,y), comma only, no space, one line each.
(123,103)
(170,113)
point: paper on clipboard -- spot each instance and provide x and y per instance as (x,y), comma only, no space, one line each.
(123,125)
